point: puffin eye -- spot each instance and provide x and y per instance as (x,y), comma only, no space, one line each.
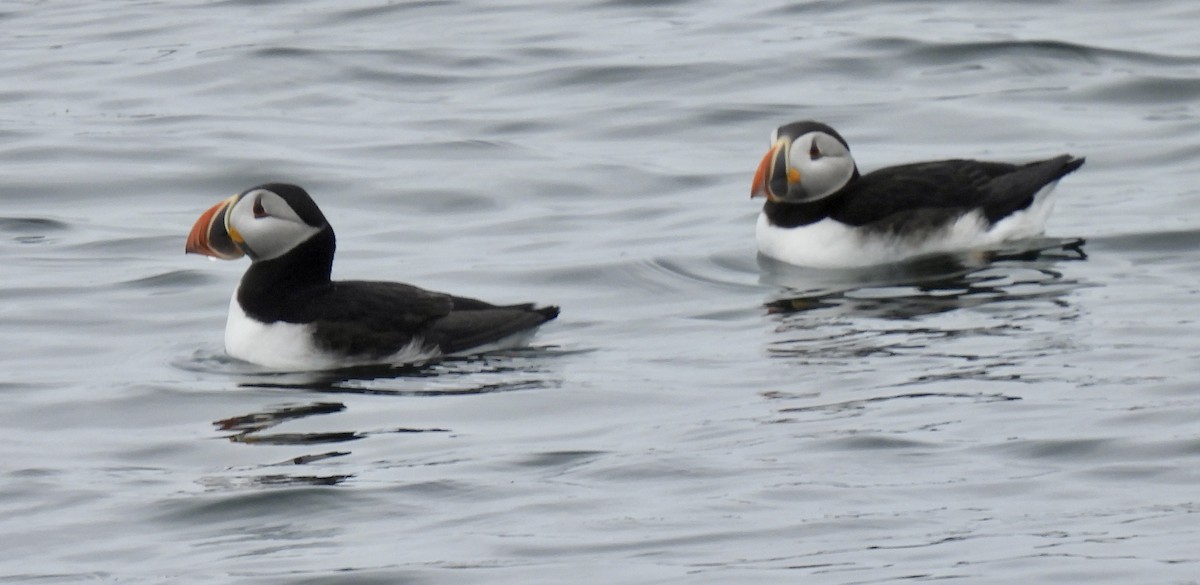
(814,153)
(259,212)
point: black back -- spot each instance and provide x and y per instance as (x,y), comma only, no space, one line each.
(928,192)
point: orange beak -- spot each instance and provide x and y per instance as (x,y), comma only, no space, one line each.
(774,176)
(213,236)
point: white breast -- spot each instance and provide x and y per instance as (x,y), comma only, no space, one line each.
(289,346)
(279,346)
(830,244)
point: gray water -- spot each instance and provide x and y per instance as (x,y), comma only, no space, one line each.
(693,417)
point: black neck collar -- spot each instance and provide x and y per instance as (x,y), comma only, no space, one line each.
(790,215)
(270,287)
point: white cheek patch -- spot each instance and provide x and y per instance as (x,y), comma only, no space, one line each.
(272,235)
(827,173)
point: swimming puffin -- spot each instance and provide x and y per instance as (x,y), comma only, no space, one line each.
(820,212)
(286,314)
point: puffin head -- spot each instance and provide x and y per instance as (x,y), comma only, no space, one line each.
(263,222)
(808,161)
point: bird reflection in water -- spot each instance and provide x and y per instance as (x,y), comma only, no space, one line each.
(926,286)
(450,377)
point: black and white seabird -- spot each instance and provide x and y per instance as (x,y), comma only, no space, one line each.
(287,314)
(821,212)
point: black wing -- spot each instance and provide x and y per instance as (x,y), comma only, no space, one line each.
(371,318)
(948,187)
(379,318)
(464,329)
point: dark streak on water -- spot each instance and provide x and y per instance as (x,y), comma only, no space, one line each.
(695,416)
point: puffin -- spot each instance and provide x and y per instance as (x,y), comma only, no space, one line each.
(288,315)
(821,212)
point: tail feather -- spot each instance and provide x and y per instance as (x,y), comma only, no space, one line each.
(1070,165)
(1016,190)
(549,312)
(461,331)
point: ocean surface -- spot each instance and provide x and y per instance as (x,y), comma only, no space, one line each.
(694,416)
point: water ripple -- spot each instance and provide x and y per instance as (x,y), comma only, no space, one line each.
(30,230)
(508,371)
(893,323)
(946,53)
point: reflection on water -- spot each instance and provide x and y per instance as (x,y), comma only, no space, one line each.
(501,371)
(250,429)
(941,320)
(258,421)
(484,374)
(271,480)
(859,406)
(928,285)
